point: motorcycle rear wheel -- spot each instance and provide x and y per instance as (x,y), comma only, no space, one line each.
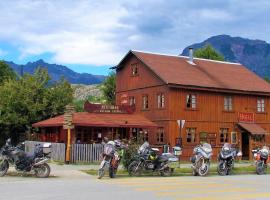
(134,169)
(221,169)
(4,168)
(260,168)
(42,171)
(112,172)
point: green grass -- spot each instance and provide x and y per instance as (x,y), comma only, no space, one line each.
(188,171)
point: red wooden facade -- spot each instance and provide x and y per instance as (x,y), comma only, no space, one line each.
(216,100)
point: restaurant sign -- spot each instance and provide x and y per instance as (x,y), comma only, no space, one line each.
(102,108)
(246,117)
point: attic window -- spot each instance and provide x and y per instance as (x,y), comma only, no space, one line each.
(134,69)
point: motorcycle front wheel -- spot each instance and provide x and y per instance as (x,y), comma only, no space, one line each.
(4,168)
(42,171)
(166,172)
(204,169)
(134,169)
(260,168)
(222,169)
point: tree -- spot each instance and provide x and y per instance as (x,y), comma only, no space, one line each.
(30,99)
(6,72)
(108,88)
(208,52)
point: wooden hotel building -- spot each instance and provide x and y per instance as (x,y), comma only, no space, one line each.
(212,101)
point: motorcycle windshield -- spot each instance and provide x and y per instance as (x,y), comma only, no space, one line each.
(144,146)
(108,149)
(207,148)
(266,148)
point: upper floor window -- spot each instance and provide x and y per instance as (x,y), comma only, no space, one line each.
(132,101)
(191,101)
(134,69)
(145,102)
(191,135)
(224,135)
(260,105)
(161,100)
(228,103)
(160,135)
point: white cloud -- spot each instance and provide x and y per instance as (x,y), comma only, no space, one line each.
(100,32)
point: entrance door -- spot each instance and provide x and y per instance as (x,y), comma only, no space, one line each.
(245,146)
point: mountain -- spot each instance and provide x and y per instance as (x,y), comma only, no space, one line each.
(57,71)
(254,54)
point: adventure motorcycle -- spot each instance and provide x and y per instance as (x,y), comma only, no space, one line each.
(226,159)
(111,157)
(149,159)
(201,159)
(261,159)
(25,162)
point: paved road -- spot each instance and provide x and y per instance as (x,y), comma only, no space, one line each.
(70,184)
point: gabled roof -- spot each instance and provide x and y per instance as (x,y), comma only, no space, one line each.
(100,120)
(207,74)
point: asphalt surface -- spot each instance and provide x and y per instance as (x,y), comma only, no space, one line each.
(68,183)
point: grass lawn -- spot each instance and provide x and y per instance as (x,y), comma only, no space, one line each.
(188,171)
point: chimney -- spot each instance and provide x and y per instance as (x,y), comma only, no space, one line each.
(190,54)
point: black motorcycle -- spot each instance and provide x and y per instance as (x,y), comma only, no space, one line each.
(25,162)
(148,159)
(226,159)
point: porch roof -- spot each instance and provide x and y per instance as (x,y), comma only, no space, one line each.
(253,128)
(100,120)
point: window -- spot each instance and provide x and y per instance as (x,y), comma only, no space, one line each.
(233,137)
(191,101)
(203,137)
(132,101)
(134,69)
(224,135)
(191,135)
(160,135)
(260,105)
(228,103)
(145,102)
(161,100)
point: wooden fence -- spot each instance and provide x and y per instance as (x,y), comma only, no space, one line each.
(58,149)
(84,153)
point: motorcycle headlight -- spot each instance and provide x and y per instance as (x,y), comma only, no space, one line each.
(226,148)
(255,155)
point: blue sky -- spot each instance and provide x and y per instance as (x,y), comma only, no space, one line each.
(91,36)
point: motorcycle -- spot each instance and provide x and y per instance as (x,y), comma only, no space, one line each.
(148,159)
(226,159)
(111,157)
(201,159)
(25,162)
(261,159)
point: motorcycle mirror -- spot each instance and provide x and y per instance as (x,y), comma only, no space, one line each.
(239,154)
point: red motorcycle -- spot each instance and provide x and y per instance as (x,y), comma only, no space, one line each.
(261,157)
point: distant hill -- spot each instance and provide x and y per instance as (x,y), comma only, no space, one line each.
(254,54)
(57,71)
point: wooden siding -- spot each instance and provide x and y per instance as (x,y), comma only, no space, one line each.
(126,81)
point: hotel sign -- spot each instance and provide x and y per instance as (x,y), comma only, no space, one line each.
(102,108)
(246,117)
